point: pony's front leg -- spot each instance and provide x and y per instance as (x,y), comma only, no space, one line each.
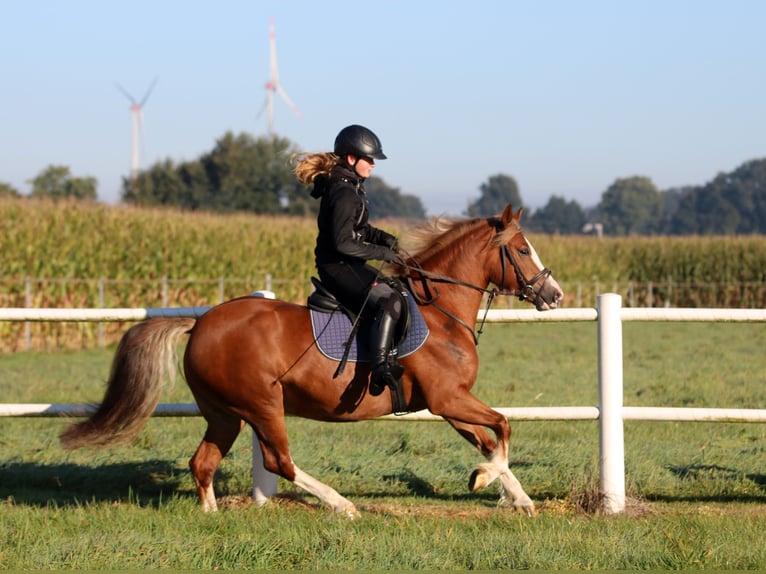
(513,494)
(496,453)
(207,498)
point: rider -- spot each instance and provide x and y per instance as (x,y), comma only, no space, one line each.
(346,241)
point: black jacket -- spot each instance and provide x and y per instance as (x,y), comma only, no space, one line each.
(344,233)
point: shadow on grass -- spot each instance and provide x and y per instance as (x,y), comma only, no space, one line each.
(148,483)
(419,487)
(144,483)
(714,473)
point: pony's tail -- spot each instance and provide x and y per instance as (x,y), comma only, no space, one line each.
(145,357)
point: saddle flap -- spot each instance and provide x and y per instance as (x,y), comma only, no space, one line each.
(323,301)
(323,304)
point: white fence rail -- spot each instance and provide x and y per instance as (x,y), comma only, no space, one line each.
(610,412)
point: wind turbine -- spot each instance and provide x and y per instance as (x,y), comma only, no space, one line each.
(273,86)
(137,126)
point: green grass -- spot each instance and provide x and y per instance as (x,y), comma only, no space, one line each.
(697,491)
(277,538)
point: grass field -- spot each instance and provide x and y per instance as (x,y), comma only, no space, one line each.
(697,491)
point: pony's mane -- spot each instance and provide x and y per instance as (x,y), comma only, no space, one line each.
(438,232)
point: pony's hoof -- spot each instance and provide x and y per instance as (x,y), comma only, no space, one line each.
(478,480)
(350,512)
(209,506)
(527,508)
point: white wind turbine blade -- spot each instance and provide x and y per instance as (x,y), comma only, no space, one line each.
(286,98)
(149,91)
(127,94)
(263,107)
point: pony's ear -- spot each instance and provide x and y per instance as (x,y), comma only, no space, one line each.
(508,215)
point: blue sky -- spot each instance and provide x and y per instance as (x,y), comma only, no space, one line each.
(565,96)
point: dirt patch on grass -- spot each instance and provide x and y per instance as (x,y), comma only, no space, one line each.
(455,510)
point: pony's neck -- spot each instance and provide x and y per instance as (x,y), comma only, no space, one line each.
(463,259)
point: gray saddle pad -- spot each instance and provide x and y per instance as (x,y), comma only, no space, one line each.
(331,331)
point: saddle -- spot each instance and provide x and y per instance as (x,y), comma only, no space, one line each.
(332,323)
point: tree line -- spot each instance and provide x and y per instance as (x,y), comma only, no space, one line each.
(243,173)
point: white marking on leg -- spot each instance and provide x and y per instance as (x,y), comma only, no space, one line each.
(325,493)
(513,493)
(209,503)
(486,473)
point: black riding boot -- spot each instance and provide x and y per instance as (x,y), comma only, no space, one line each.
(385,371)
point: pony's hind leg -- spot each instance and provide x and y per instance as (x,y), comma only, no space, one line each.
(218,439)
(272,437)
(325,493)
(497,467)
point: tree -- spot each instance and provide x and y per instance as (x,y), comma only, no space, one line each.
(245,174)
(161,184)
(496,193)
(388,201)
(248,174)
(558,216)
(56,182)
(630,206)
(7,190)
(670,200)
(240,173)
(731,203)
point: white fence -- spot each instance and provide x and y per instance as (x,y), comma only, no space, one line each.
(610,412)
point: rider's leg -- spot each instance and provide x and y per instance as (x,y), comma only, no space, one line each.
(385,370)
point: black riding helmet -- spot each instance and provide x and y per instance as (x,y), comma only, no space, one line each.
(358,141)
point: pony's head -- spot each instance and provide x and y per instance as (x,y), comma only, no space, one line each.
(521,272)
(502,256)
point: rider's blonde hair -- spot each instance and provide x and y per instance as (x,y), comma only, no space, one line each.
(308,165)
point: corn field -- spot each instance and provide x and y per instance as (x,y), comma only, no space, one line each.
(76,254)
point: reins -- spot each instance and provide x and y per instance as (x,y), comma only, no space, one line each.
(429,278)
(526,292)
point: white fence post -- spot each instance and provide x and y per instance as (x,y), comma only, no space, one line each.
(264,482)
(612,445)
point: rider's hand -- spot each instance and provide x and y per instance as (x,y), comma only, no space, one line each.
(390,241)
(394,256)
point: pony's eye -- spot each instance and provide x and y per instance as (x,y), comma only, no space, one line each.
(524,251)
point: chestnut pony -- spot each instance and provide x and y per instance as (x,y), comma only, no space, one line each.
(254,360)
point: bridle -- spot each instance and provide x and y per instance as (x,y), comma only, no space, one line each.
(431,294)
(527,291)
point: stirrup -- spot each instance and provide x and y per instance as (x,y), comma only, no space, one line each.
(386,375)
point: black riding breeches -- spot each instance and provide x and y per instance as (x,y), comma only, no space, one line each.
(350,282)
